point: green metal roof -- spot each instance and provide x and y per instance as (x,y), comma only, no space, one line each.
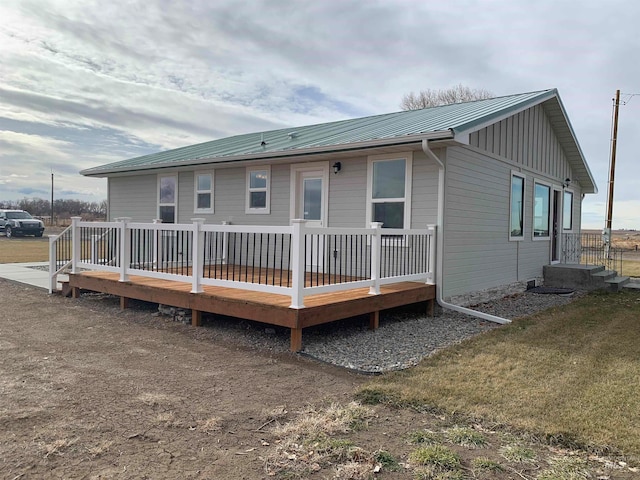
(387,129)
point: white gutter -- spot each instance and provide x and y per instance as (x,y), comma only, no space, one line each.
(440,245)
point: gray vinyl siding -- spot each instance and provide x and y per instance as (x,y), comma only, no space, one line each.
(424,189)
(348,194)
(134,196)
(477,251)
(527,139)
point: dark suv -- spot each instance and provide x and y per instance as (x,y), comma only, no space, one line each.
(19,222)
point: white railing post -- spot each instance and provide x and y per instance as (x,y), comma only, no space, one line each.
(53,277)
(125,248)
(156,237)
(432,253)
(197,257)
(297,263)
(376,243)
(75,244)
(225,240)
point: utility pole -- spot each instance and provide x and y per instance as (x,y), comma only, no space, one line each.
(612,173)
(52,198)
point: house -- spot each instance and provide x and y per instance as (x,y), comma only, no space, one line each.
(501,180)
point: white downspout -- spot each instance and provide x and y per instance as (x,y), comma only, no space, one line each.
(440,246)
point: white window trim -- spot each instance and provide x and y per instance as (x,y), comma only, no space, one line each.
(175,201)
(408,178)
(533,213)
(523,208)
(196,191)
(573,199)
(258,211)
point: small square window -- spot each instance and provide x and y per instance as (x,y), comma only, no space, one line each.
(203,192)
(258,190)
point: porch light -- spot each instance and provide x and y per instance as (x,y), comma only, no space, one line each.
(337,167)
(566,183)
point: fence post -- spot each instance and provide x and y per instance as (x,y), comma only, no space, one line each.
(297,263)
(156,241)
(197,257)
(225,241)
(431,245)
(75,244)
(53,263)
(125,248)
(376,244)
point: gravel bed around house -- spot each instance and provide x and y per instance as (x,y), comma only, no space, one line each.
(404,338)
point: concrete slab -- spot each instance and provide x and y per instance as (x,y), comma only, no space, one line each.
(25,273)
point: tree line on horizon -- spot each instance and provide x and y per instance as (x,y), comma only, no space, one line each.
(62,208)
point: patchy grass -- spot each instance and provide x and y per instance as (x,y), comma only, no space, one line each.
(570,375)
(566,468)
(484,465)
(465,437)
(309,444)
(518,454)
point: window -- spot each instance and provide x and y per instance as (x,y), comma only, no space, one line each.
(567,211)
(541,210)
(516,222)
(203,192)
(389,191)
(167,198)
(258,186)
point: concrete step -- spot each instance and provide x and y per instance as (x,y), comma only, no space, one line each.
(616,283)
(632,285)
(603,276)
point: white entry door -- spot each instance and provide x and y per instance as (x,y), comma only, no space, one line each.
(310,188)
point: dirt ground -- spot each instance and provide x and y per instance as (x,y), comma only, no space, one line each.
(89,391)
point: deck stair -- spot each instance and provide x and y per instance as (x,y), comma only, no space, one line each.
(584,277)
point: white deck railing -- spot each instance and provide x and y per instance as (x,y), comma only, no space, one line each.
(296,260)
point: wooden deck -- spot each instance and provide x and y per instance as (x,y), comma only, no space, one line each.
(263,307)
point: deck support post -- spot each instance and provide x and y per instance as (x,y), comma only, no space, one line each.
(374,320)
(296,339)
(124,303)
(75,244)
(197,254)
(125,248)
(431,307)
(75,292)
(297,264)
(376,241)
(196,318)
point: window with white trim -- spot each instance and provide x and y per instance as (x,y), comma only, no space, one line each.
(567,211)
(167,198)
(516,214)
(258,190)
(541,210)
(203,200)
(389,191)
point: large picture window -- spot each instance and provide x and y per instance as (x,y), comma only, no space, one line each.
(567,211)
(258,190)
(389,192)
(542,194)
(516,216)
(203,192)
(167,198)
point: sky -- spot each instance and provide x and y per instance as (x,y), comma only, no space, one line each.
(85,83)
